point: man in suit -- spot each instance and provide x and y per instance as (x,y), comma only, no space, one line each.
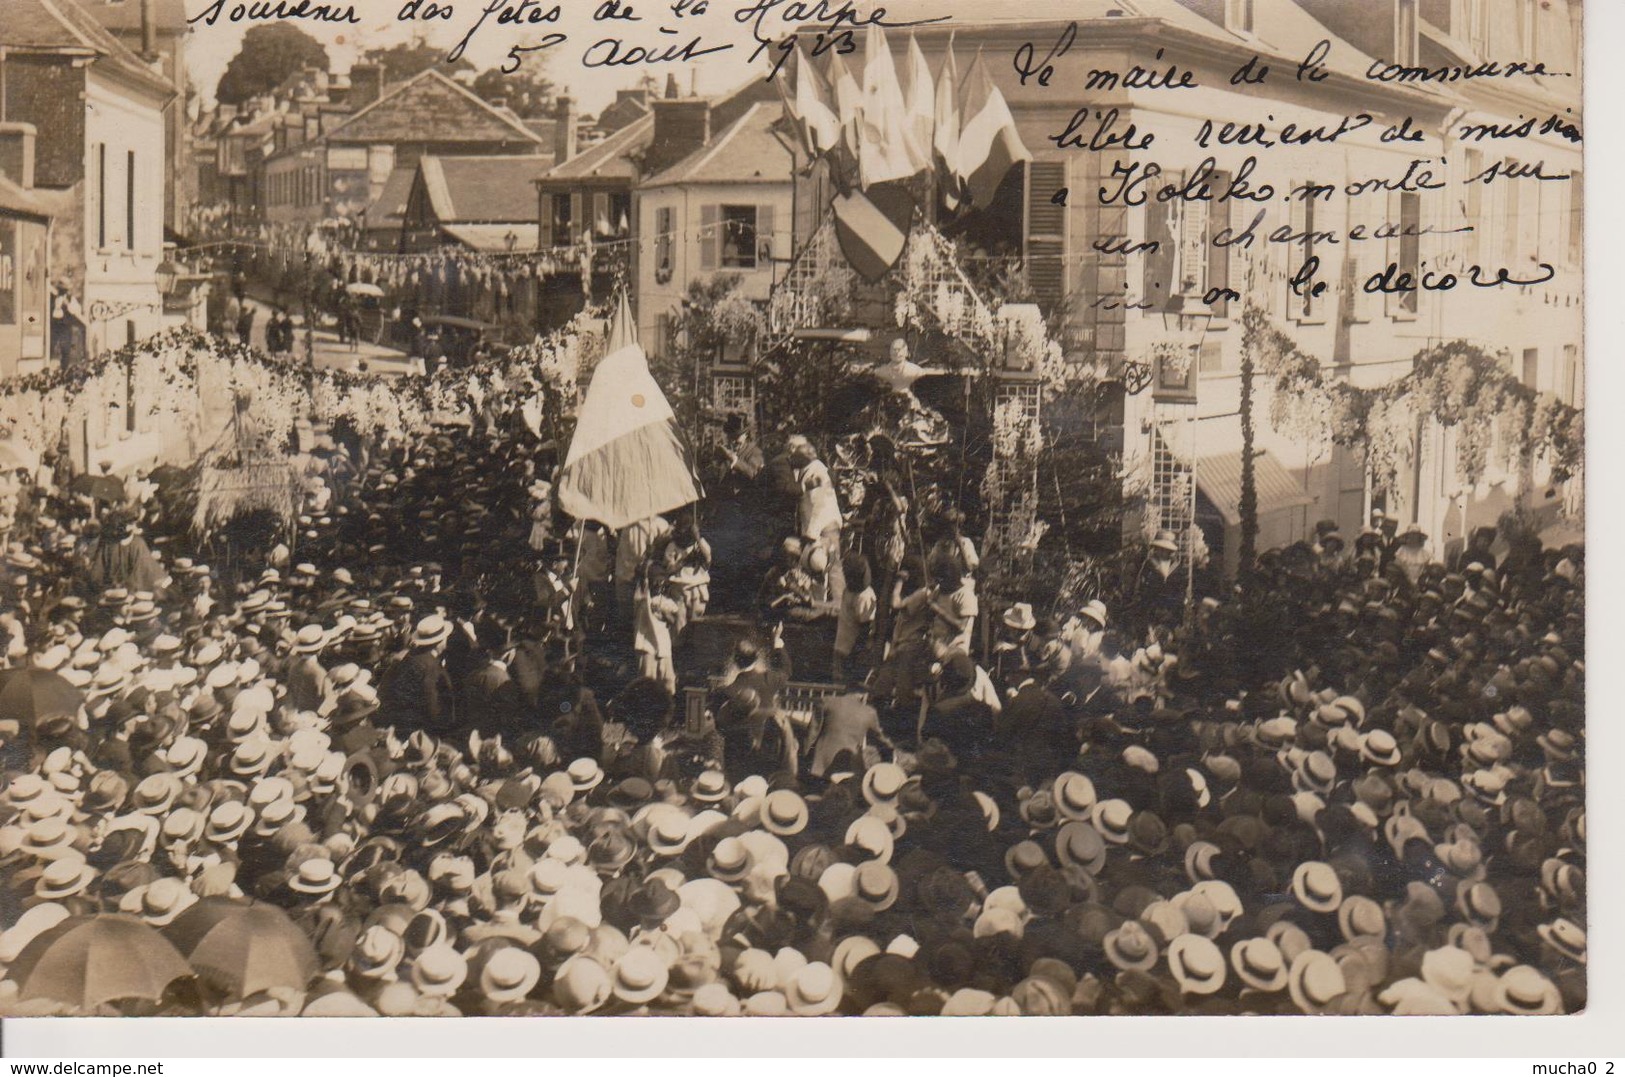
(416,693)
(845,724)
(1035,728)
(307,681)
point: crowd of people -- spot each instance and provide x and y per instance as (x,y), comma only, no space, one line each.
(458,739)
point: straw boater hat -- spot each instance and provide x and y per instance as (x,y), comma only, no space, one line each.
(1197,964)
(784,812)
(585,775)
(439,970)
(639,976)
(1111,818)
(309,639)
(315,877)
(1131,947)
(711,787)
(509,974)
(1019,618)
(64,878)
(432,630)
(883,782)
(814,990)
(1315,981)
(876,884)
(378,953)
(1525,990)
(1074,795)
(1564,937)
(1259,964)
(1316,887)
(871,834)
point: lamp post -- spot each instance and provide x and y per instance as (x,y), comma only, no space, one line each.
(1187,319)
(167,275)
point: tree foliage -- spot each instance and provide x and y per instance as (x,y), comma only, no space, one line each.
(269,54)
(528,91)
(404,61)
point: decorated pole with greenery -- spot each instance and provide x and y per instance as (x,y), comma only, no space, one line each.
(1247,504)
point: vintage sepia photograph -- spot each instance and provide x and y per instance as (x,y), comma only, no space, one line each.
(742,508)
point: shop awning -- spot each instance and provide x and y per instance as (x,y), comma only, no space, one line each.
(1219,480)
(1218,469)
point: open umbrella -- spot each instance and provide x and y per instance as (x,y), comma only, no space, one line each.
(363,288)
(27,695)
(244,947)
(170,475)
(86,961)
(100,487)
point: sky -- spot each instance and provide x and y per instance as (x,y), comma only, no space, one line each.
(210,48)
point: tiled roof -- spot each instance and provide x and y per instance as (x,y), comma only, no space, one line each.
(65,26)
(612,158)
(483,189)
(431,107)
(389,207)
(745,152)
(608,159)
(126,14)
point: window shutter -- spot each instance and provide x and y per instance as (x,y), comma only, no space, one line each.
(1359,262)
(1046,231)
(577,230)
(764,236)
(1391,300)
(1218,258)
(544,214)
(710,237)
(663,239)
(1162,228)
(1192,240)
(1297,307)
(1410,246)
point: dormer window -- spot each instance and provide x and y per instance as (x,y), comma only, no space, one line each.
(1238,16)
(1405,32)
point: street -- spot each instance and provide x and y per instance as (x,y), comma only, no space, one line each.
(331,354)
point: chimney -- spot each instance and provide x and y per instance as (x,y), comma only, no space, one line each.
(682,126)
(564,129)
(149,29)
(366,85)
(17,152)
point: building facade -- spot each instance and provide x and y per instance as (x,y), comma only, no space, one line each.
(342,168)
(722,208)
(1376,139)
(25,253)
(156,31)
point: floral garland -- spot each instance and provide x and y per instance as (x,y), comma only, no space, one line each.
(182,377)
(1499,421)
(933,293)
